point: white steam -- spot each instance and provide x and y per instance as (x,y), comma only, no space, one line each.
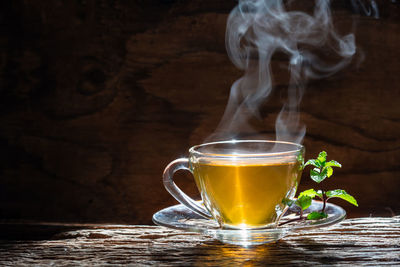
(257,29)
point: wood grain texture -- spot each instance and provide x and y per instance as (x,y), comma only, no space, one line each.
(97,97)
(359,242)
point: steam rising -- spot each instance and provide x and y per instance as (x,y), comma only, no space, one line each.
(256,30)
(368,9)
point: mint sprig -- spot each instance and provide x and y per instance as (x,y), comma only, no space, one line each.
(322,169)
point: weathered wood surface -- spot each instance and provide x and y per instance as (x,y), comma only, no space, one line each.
(363,241)
(97,97)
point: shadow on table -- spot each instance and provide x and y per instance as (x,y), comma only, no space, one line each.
(34,231)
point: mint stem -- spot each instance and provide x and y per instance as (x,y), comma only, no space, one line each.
(324,199)
(300,218)
(292,220)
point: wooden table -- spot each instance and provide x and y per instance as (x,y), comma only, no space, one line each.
(362,241)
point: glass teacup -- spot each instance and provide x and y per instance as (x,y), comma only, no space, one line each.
(243,184)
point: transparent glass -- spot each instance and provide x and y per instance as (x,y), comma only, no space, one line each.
(243,184)
(182,218)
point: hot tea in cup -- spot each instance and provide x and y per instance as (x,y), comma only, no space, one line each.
(243,184)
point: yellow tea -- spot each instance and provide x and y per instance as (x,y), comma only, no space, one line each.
(243,195)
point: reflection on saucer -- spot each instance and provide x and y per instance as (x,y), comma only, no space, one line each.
(182,218)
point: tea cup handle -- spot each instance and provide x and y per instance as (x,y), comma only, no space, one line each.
(176,192)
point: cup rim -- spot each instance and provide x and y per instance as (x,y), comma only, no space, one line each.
(194,149)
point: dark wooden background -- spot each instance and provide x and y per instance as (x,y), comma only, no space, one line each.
(97,97)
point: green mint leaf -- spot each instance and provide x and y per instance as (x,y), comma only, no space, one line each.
(313,162)
(333,163)
(310,193)
(329,171)
(318,176)
(303,202)
(315,215)
(322,158)
(324,174)
(343,195)
(314,174)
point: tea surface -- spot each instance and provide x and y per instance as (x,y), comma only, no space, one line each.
(246,195)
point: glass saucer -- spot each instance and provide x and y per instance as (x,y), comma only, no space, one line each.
(182,218)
